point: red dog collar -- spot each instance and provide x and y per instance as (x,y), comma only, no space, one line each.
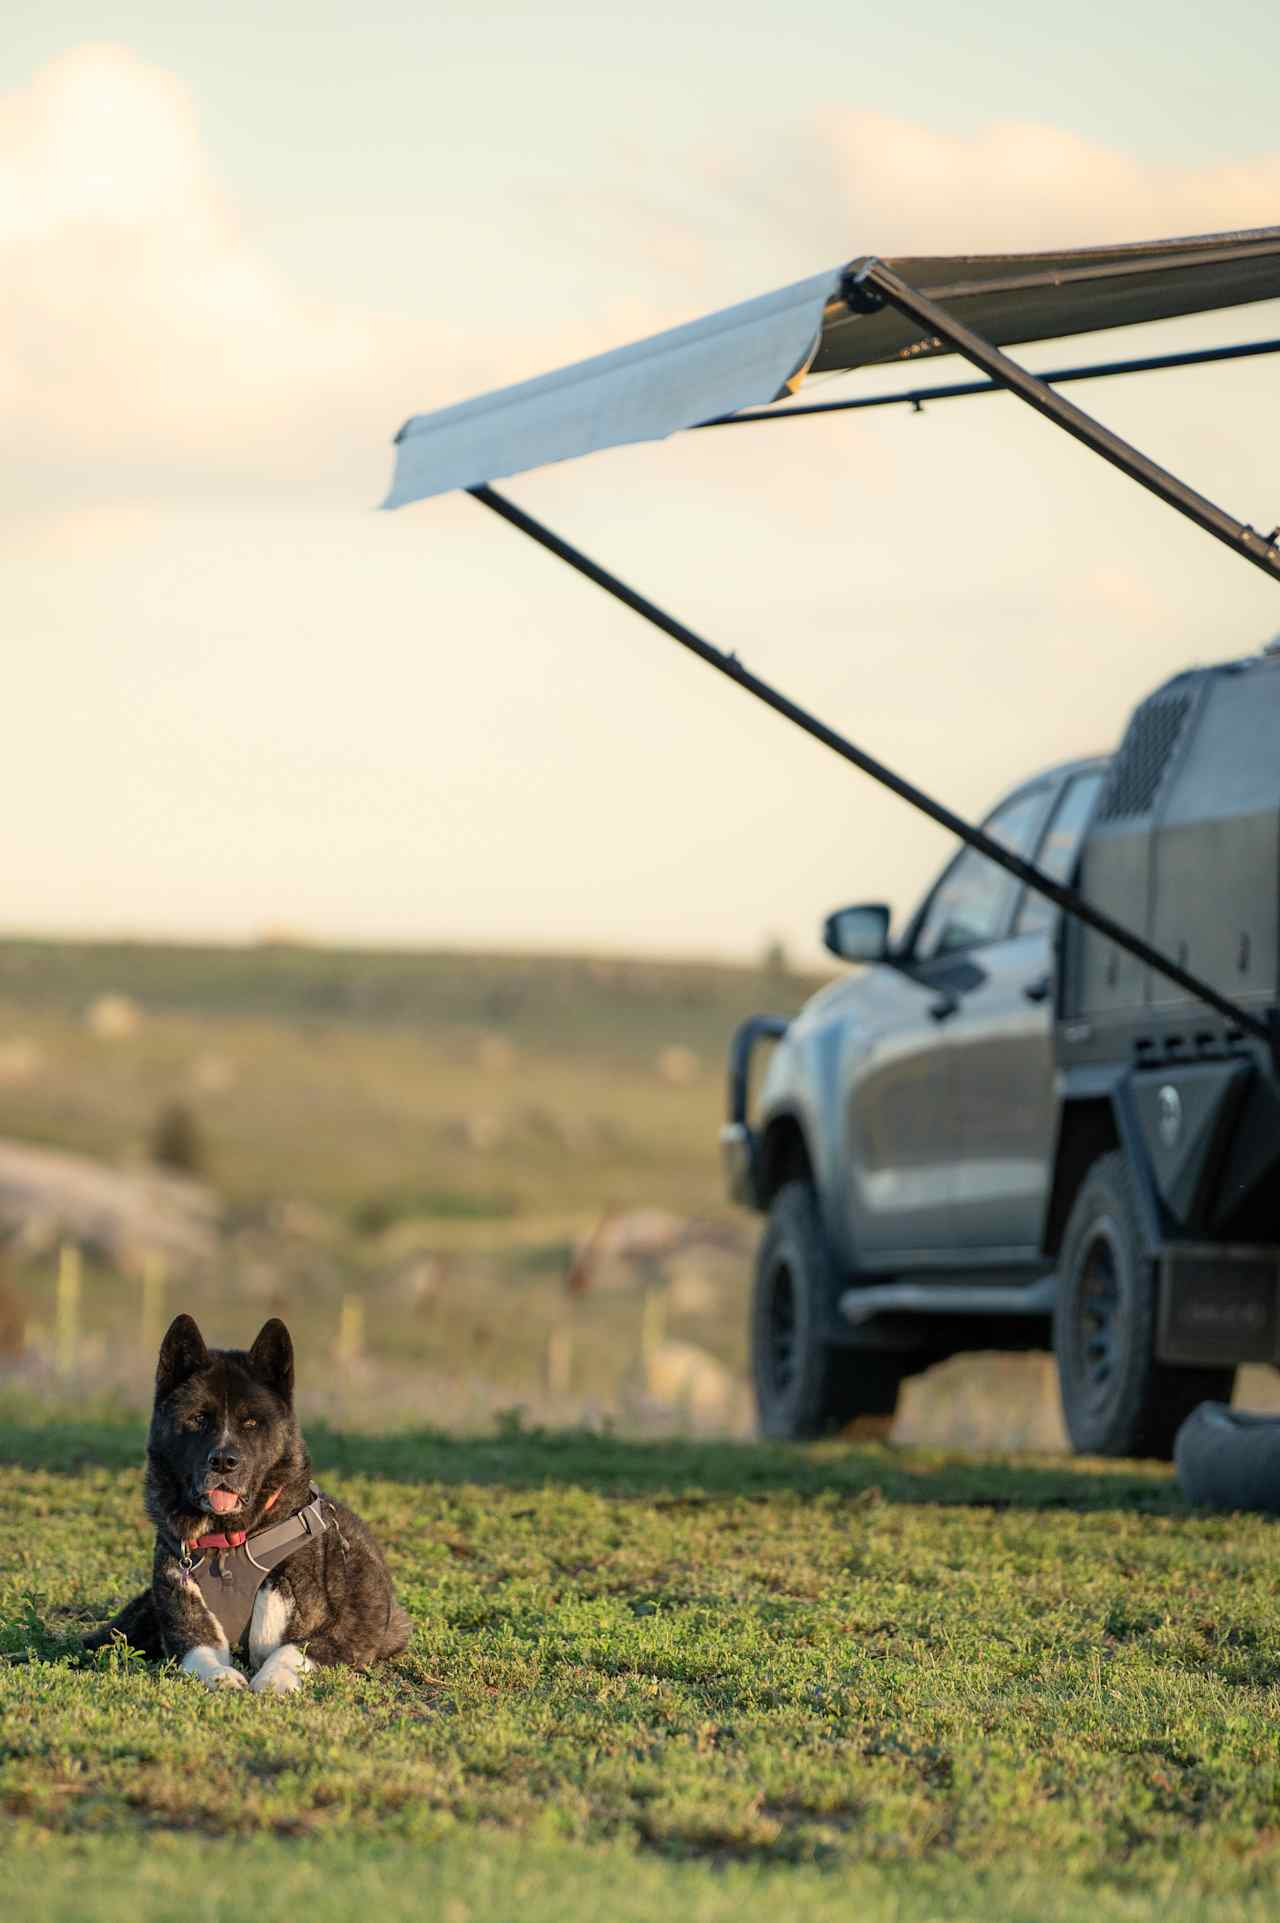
(231,1538)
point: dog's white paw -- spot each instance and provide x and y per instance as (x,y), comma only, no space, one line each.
(210,1667)
(283,1670)
(227,1679)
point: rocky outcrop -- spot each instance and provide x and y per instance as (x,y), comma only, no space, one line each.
(117,1216)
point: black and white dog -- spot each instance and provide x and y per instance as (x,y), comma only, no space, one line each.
(294,1576)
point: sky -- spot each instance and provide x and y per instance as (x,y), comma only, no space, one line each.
(239,246)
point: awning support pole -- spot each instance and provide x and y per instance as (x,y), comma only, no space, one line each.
(918,398)
(729,665)
(870,284)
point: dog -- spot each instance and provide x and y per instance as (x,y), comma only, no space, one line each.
(248,1551)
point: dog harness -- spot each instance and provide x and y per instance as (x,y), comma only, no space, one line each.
(233,1566)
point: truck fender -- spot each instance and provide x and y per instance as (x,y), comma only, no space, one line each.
(782,1154)
(1096,1115)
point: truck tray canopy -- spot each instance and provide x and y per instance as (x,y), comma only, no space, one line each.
(762,350)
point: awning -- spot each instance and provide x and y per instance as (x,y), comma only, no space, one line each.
(755,353)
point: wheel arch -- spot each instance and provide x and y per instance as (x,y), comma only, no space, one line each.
(783,1156)
(1087,1130)
(1094,1121)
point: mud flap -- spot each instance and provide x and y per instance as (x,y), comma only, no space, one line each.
(1218,1304)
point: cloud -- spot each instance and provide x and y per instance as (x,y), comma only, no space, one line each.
(145,332)
(1024,185)
(148,341)
(856,182)
(141,324)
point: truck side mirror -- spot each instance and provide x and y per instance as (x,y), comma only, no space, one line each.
(858,934)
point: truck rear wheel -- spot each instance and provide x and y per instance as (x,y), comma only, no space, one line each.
(806,1385)
(1117,1400)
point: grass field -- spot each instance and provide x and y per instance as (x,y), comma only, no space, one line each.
(694,1680)
(688,1680)
(461,1087)
(429,1135)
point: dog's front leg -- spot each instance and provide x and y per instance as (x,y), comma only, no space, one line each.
(278,1663)
(283,1670)
(192,1633)
(210,1664)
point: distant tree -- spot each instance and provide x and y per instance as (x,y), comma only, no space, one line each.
(177,1140)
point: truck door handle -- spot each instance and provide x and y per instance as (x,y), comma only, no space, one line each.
(1038,990)
(945,1006)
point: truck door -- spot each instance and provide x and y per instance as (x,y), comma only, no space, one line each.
(1000,1066)
(896,1126)
(902,1127)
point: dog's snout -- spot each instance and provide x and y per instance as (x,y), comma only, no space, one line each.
(223,1461)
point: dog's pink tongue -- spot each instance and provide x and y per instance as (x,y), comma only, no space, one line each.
(223,1501)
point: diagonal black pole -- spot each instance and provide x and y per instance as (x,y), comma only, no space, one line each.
(919,397)
(870,284)
(729,664)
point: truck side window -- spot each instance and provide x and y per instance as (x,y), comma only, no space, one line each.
(973,901)
(1057,852)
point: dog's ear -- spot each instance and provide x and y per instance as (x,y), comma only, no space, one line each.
(271,1358)
(182,1352)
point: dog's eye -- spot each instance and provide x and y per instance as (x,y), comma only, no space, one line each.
(195,1421)
(248,1422)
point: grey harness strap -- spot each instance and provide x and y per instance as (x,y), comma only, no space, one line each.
(229,1579)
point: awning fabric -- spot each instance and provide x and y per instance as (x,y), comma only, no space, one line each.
(760,351)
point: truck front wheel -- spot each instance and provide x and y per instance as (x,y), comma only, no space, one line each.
(1117,1400)
(806,1385)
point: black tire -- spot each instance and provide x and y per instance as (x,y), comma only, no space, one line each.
(806,1385)
(1117,1400)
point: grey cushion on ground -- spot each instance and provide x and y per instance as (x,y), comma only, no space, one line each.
(1227,1459)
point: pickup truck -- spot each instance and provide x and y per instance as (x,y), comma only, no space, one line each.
(1001,1133)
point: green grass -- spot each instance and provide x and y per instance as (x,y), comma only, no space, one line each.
(668,1679)
(676,1680)
(378,1212)
(592,1006)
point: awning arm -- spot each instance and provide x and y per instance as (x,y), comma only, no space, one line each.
(869,284)
(918,397)
(729,665)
